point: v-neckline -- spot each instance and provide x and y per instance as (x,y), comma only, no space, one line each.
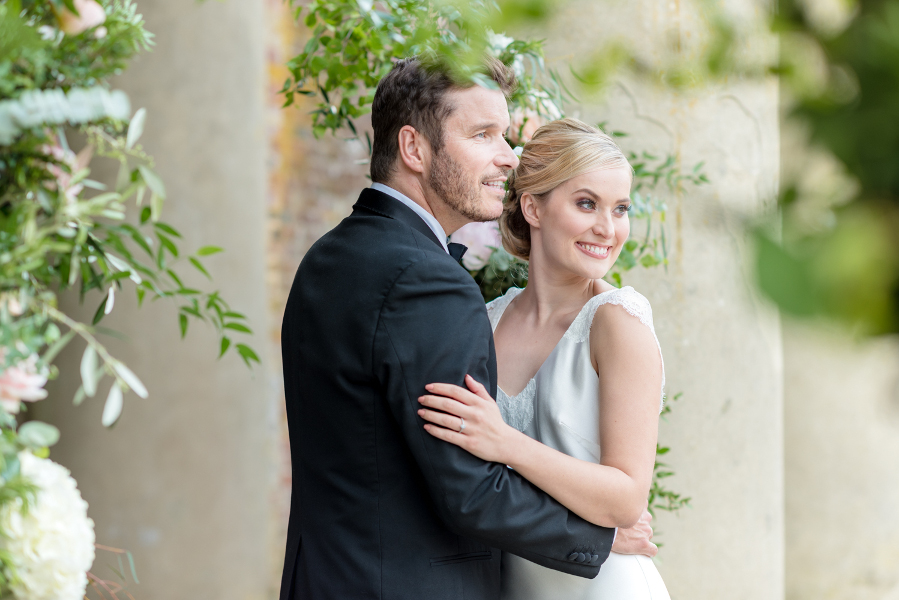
(533,379)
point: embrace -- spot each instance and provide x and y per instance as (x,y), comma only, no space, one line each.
(442,450)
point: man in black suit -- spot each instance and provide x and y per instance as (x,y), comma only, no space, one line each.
(379,308)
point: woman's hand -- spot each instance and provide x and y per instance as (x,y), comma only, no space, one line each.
(484,434)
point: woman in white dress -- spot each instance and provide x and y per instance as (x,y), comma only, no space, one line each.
(581,356)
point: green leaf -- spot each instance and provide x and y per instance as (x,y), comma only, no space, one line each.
(182,318)
(207,250)
(113,407)
(234,315)
(168,244)
(247,353)
(238,327)
(196,263)
(167,229)
(36,434)
(226,343)
(136,127)
(89,371)
(145,214)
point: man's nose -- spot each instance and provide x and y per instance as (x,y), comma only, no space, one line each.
(506,159)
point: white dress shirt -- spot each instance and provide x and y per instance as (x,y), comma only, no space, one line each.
(427,217)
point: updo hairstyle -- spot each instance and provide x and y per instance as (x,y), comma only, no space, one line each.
(559,151)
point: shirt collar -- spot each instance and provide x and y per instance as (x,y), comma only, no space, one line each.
(427,217)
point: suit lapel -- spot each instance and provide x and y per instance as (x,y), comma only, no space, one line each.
(382,204)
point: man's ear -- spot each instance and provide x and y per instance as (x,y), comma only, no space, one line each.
(529,210)
(414,149)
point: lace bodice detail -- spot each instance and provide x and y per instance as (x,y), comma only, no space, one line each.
(518,410)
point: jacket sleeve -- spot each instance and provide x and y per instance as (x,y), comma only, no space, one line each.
(433,328)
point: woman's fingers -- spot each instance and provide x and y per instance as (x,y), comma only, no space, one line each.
(447,435)
(477,388)
(446,405)
(444,420)
(453,391)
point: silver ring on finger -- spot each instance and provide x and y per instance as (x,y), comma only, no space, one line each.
(462,425)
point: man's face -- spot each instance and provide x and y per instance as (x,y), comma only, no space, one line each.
(469,172)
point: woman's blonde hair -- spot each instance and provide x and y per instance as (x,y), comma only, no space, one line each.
(559,151)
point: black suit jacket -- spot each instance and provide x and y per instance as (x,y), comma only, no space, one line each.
(379,508)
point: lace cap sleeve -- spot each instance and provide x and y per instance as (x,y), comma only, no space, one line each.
(630,300)
(496,308)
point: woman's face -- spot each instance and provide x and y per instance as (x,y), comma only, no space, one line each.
(582,225)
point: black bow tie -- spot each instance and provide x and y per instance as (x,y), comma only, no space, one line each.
(457,251)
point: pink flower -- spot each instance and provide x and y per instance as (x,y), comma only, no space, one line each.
(21,381)
(75,162)
(481,239)
(90,14)
(525,123)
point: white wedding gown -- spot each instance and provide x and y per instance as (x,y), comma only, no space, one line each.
(560,408)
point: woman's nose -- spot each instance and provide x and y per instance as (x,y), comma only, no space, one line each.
(603,226)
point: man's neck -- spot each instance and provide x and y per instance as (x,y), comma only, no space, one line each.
(449,219)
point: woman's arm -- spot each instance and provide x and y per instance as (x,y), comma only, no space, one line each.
(612,493)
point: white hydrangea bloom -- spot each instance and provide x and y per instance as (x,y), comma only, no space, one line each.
(52,546)
(497,42)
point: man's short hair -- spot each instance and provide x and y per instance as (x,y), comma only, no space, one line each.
(412,94)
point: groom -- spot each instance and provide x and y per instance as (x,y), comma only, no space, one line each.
(380,307)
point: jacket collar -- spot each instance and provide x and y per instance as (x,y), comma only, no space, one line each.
(382,204)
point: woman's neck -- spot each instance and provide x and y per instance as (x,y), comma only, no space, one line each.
(551,294)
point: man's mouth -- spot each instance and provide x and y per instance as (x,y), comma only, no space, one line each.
(497,186)
(594,250)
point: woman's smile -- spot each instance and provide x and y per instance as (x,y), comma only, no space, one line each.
(594,250)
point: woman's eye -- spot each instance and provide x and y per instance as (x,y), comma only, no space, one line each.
(623,209)
(589,204)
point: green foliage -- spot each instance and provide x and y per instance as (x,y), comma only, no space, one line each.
(843,88)
(660,497)
(61,230)
(354,44)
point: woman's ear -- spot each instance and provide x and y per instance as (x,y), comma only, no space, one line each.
(529,210)
(414,149)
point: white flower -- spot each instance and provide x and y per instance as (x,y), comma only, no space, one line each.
(497,42)
(52,546)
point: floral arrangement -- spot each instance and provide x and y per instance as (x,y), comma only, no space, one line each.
(62,232)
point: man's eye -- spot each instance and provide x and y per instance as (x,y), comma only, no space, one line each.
(481,135)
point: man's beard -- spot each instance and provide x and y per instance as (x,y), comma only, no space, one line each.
(450,183)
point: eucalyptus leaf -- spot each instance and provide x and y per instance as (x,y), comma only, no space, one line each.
(89,370)
(131,379)
(112,410)
(36,434)
(152,180)
(136,127)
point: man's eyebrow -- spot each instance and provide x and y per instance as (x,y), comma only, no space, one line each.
(485,125)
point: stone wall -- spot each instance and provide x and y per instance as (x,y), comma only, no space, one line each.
(721,343)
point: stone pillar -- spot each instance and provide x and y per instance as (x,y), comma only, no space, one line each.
(842,439)
(722,344)
(186,479)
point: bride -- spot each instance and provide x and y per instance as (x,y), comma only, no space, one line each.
(580,370)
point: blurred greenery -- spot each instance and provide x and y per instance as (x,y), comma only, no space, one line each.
(844,93)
